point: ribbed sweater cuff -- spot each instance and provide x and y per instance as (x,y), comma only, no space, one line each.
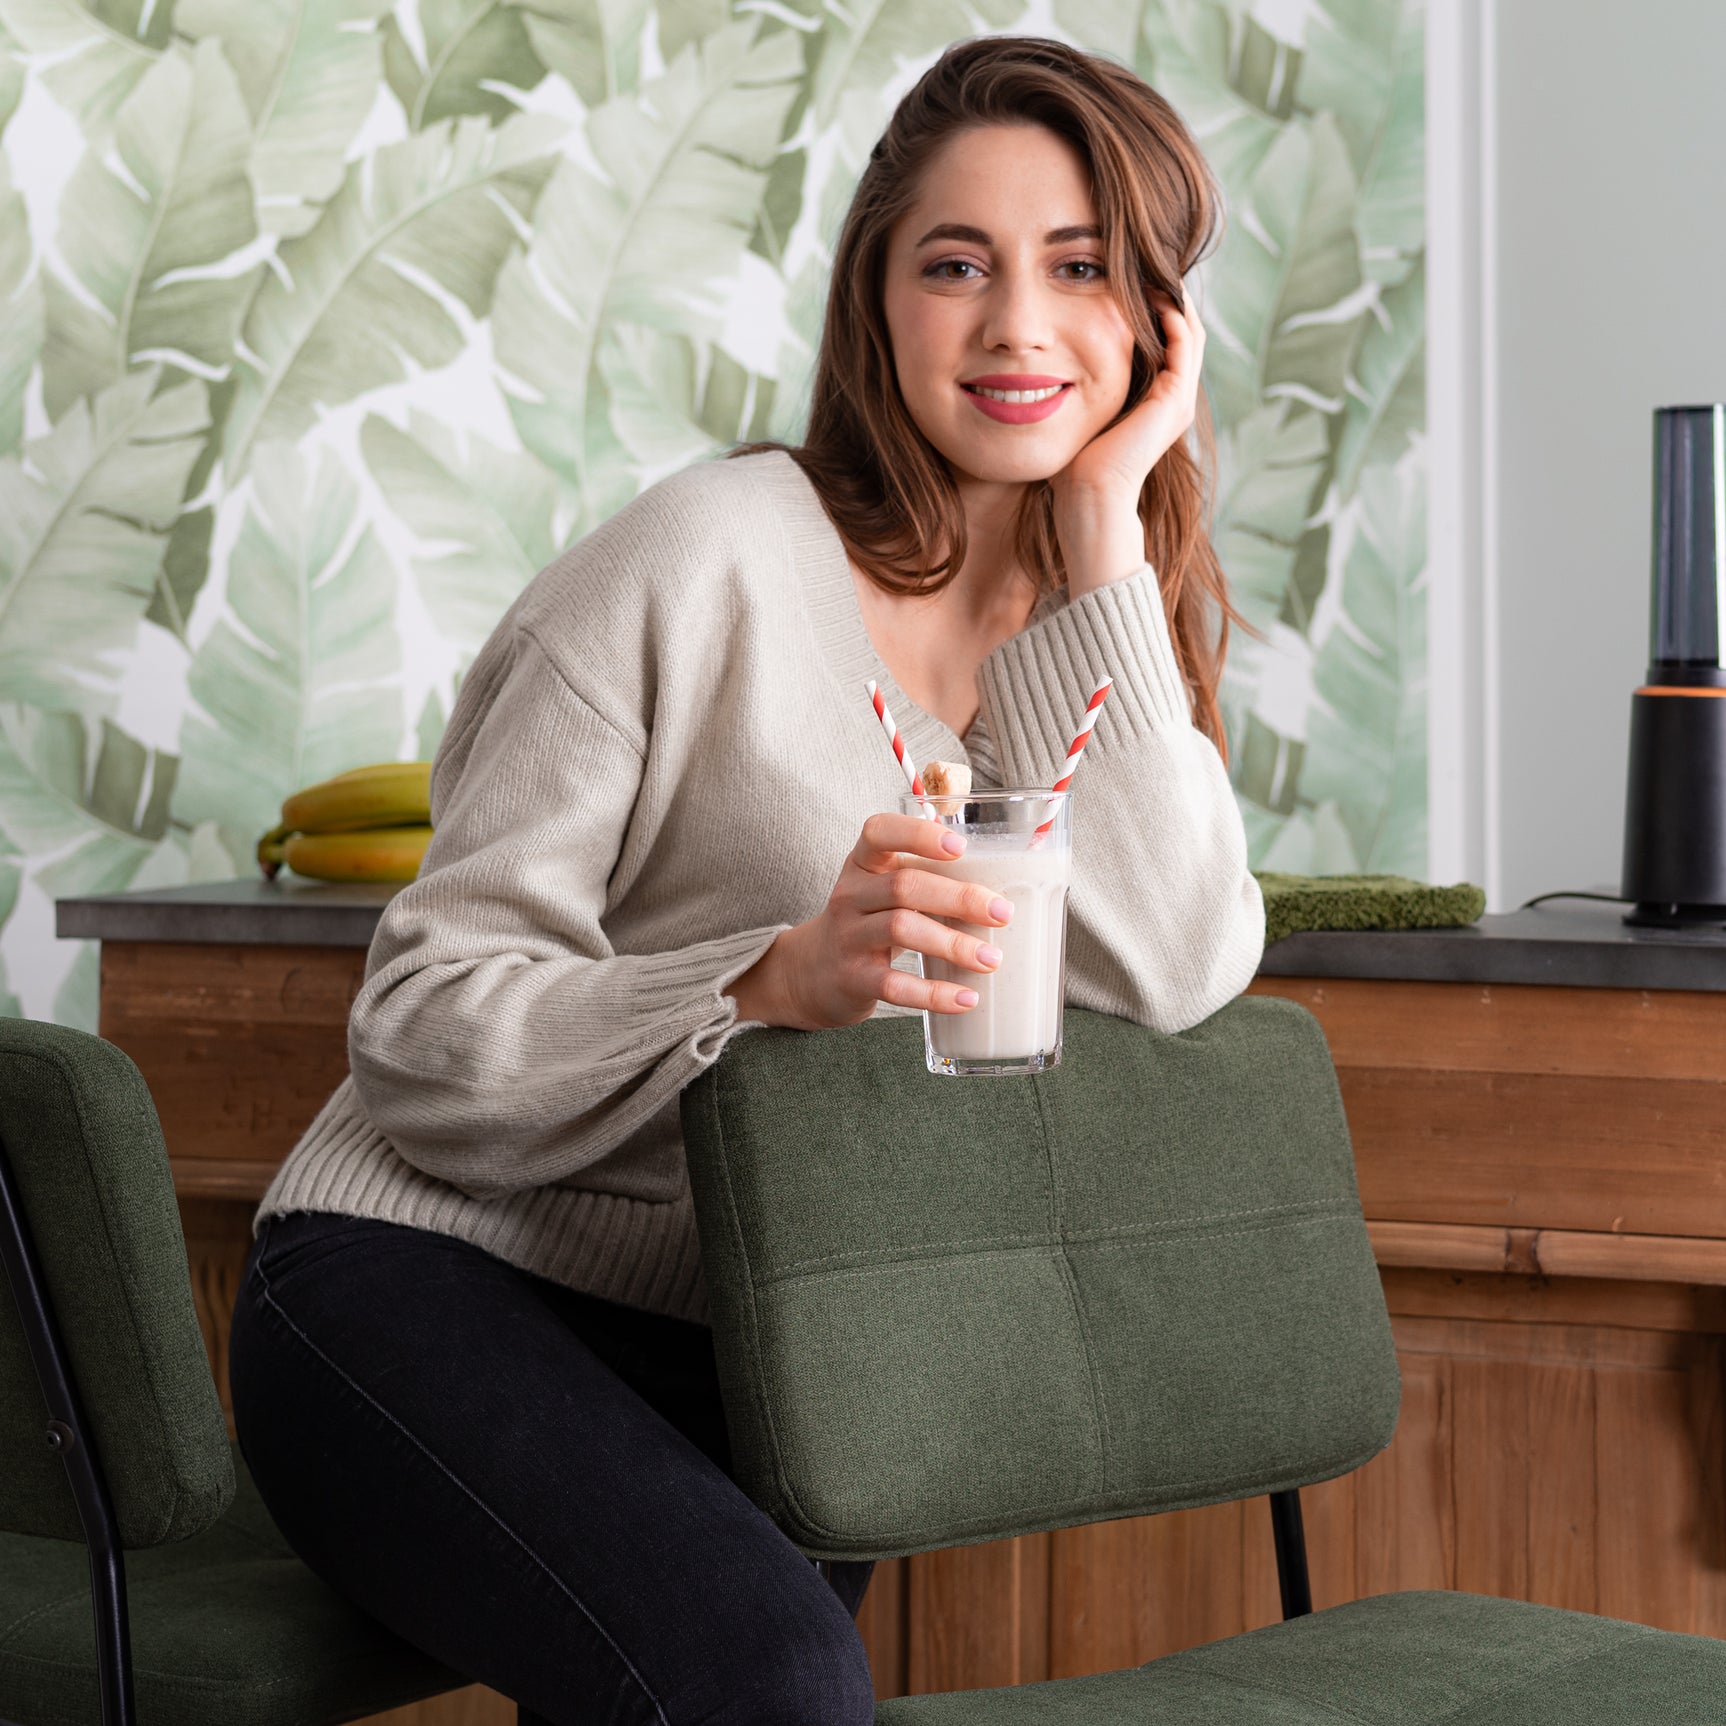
(545,1082)
(682,988)
(1034,686)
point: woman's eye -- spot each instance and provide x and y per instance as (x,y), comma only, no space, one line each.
(940,270)
(1094,271)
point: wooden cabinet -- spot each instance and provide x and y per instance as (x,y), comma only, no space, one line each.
(1543,1169)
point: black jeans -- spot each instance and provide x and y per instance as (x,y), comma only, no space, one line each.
(530,1484)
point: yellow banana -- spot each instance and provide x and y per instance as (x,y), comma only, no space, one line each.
(366,854)
(270,853)
(389,794)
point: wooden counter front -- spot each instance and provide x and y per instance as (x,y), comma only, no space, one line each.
(1543,1169)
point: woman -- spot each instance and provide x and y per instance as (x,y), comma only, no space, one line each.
(470,1362)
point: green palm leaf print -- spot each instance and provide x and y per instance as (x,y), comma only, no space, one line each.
(594,44)
(1369,724)
(468,44)
(304,687)
(22,319)
(1387,396)
(1188,52)
(83,787)
(83,523)
(11,877)
(1290,254)
(309,71)
(1365,65)
(492,511)
(136,244)
(11,79)
(863,46)
(1268,467)
(685,170)
(97,50)
(430,204)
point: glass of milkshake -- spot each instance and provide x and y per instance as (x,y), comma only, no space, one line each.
(1015,1026)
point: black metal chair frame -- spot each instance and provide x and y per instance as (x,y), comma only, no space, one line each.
(1289,1534)
(69,1434)
(1287,1531)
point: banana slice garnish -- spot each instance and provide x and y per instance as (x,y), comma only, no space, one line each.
(948,783)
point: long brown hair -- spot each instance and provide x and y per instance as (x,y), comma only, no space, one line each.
(887,489)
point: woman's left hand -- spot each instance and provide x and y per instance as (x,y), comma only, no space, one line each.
(1097,493)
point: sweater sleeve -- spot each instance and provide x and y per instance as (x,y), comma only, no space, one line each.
(498,1041)
(1165,923)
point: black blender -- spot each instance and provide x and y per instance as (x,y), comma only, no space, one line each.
(1675,809)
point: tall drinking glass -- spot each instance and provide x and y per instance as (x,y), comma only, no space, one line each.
(1015,1026)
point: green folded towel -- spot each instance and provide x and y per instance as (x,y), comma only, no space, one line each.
(1296,902)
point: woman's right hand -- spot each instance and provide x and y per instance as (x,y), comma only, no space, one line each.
(833,969)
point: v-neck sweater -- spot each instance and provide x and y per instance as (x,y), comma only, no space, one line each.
(660,760)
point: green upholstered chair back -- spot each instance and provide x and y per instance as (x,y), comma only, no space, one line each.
(954,1310)
(86,1154)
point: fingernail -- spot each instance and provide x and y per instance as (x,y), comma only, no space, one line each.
(952,843)
(1000,909)
(967,997)
(989,955)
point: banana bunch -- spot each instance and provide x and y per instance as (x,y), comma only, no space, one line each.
(372,824)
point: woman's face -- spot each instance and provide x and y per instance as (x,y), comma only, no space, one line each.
(995,284)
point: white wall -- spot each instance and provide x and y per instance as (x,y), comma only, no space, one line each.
(1604,259)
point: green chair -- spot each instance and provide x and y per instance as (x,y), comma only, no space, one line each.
(112,1440)
(954,1311)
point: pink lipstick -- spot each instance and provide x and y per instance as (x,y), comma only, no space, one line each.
(1016,384)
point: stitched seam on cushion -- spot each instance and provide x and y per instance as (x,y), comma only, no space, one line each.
(1070,1279)
(1266,1688)
(1523,1680)
(79,1595)
(1213,1491)
(1230,1234)
(1520,1682)
(1097,1508)
(461,1486)
(884,1265)
(1174,1227)
(781,1474)
(242,1686)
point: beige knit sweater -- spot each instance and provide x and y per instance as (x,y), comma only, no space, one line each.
(617,841)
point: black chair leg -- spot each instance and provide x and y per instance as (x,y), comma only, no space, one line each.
(113,1637)
(1290,1536)
(69,1435)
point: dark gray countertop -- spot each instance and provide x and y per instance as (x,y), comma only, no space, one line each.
(1575,942)
(285,912)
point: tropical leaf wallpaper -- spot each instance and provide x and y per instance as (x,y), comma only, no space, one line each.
(324,324)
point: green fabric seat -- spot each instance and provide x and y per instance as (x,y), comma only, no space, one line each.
(948,1311)
(1394,1660)
(227,1626)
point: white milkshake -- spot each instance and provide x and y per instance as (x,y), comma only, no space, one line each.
(1015,1026)
(1018,1010)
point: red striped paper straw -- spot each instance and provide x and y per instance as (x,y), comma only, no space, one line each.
(892,731)
(1092,708)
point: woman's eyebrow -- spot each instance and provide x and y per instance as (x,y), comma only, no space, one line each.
(976,236)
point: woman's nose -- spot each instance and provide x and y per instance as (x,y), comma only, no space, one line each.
(1017,313)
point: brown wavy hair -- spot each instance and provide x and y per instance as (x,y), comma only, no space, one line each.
(888,491)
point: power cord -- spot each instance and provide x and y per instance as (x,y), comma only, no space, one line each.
(1604,898)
